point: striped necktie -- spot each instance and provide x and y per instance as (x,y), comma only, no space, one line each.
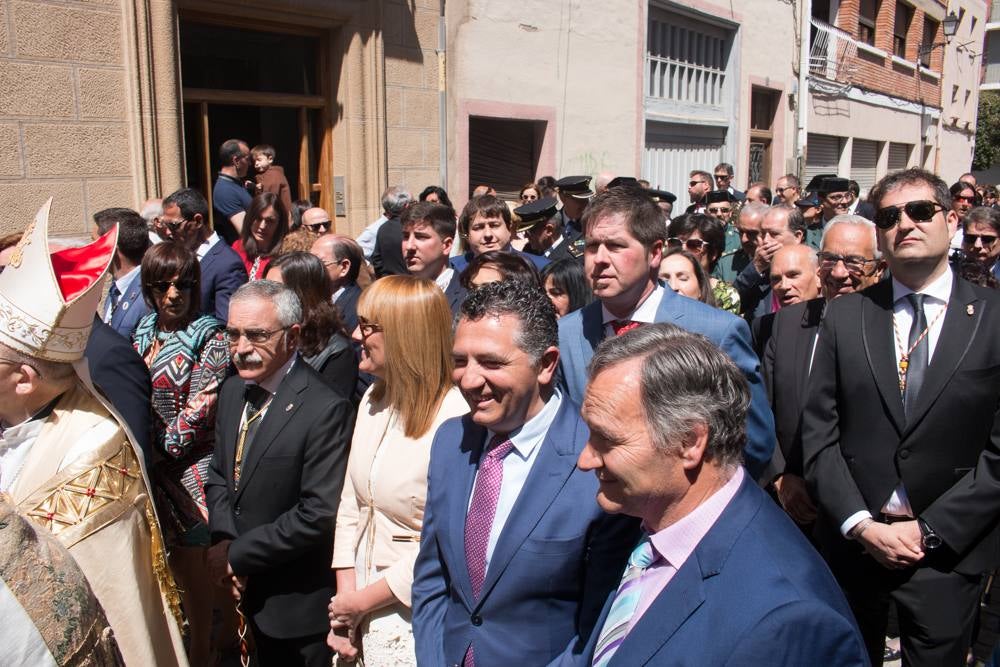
(616,625)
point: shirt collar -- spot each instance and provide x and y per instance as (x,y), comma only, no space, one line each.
(676,542)
(940,289)
(272,381)
(126,280)
(531,434)
(645,312)
(444,278)
(207,244)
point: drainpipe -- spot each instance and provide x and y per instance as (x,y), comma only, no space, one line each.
(442,101)
(801,135)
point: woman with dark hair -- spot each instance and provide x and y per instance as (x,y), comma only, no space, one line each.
(299,206)
(264,226)
(495,265)
(684,274)
(188,359)
(323,343)
(566,286)
(436,195)
(529,193)
(705,238)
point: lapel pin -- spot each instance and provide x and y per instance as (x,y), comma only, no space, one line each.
(125,306)
(288,408)
(970,310)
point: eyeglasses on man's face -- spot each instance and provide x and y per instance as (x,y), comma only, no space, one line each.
(318,227)
(918,211)
(855,264)
(255,336)
(987,240)
(716,210)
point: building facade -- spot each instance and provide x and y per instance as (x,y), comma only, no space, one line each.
(110,103)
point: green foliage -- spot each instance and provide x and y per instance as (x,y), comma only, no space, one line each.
(987,131)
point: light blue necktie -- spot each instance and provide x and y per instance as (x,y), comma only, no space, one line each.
(626,601)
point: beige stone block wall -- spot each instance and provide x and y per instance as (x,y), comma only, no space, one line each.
(64,114)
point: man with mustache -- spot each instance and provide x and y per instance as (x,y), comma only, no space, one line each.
(275,479)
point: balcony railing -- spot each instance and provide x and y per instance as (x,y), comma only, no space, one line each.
(831,53)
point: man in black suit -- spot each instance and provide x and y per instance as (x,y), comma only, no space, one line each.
(185,221)
(428,234)
(342,257)
(849,262)
(387,258)
(901,432)
(547,237)
(275,479)
(122,376)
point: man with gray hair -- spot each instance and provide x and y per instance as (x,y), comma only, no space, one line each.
(848,262)
(275,479)
(731,264)
(512,537)
(387,256)
(719,574)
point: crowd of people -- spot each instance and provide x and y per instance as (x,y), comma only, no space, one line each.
(572,429)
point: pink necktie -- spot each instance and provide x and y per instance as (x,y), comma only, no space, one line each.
(624,326)
(479,520)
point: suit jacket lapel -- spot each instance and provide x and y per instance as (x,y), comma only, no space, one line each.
(805,341)
(957,333)
(282,409)
(667,310)
(555,462)
(877,336)
(459,493)
(593,326)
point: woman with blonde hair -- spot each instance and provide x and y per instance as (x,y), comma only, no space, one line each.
(404,328)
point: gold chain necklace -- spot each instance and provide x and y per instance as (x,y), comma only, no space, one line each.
(904,354)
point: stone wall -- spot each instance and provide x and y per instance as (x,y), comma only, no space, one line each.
(63,113)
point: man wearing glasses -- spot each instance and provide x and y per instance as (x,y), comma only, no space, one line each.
(185,221)
(275,479)
(901,432)
(980,231)
(724,181)
(787,190)
(699,185)
(848,262)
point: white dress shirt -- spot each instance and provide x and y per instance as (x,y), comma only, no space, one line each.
(645,312)
(15,443)
(936,299)
(444,278)
(366,239)
(206,245)
(527,440)
(122,284)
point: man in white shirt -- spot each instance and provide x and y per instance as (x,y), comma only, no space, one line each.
(428,234)
(512,534)
(900,432)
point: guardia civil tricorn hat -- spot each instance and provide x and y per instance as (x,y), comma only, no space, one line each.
(48,300)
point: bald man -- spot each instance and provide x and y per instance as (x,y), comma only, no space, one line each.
(342,257)
(316,220)
(794,275)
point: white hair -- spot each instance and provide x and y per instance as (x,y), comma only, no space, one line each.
(857,221)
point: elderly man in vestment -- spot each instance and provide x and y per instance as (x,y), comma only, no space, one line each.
(66,459)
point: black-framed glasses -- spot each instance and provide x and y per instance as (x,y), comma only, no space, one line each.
(839,198)
(922,210)
(368,328)
(162,286)
(255,336)
(987,240)
(693,245)
(967,200)
(691,184)
(723,177)
(172,225)
(853,263)
(323,226)
(717,210)
(751,234)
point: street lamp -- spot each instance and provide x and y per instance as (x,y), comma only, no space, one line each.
(950,25)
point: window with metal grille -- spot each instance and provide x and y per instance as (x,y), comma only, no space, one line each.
(927,41)
(900,27)
(686,60)
(867,12)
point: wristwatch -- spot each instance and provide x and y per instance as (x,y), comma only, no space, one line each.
(928,538)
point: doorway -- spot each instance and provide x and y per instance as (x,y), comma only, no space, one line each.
(260,85)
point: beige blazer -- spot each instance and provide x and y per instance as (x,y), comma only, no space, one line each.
(387,508)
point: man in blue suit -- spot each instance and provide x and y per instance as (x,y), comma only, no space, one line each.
(624,234)
(185,221)
(512,536)
(719,576)
(124,306)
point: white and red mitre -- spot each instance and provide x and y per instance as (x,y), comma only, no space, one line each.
(48,300)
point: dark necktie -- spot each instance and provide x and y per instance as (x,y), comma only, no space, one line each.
(113,295)
(256,400)
(916,366)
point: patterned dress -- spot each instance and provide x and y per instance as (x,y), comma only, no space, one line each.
(726,296)
(187,369)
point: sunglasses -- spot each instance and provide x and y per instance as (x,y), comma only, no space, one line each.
(693,245)
(164,285)
(319,226)
(722,177)
(918,211)
(986,239)
(717,210)
(968,200)
(691,184)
